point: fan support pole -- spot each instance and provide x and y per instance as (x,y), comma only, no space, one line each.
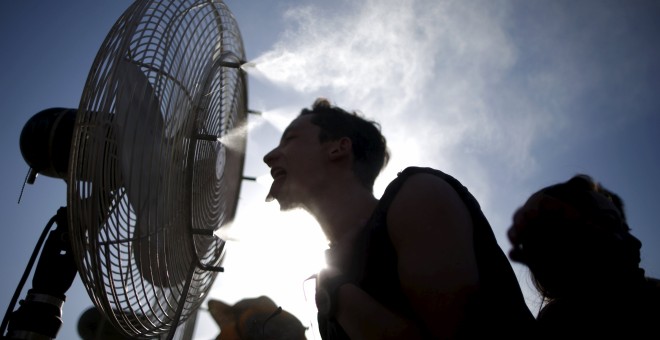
(40,314)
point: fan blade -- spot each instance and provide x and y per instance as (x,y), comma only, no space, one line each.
(143,157)
(140,127)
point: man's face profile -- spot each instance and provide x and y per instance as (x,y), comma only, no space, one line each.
(296,163)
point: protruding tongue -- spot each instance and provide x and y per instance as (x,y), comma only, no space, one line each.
(271,196)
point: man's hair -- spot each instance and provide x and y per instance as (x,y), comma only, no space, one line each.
(369,145)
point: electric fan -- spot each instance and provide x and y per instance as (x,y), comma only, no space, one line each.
(153,160)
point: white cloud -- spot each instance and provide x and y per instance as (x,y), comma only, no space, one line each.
(432,70)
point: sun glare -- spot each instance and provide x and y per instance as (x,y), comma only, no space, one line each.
(272,253)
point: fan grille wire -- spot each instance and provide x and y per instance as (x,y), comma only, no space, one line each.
(150,177)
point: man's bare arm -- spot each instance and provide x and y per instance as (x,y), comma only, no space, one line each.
(431,229)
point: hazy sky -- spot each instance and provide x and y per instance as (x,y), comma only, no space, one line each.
(507,96)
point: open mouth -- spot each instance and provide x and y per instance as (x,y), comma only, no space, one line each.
(277,173)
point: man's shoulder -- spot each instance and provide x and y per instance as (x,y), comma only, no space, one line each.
(412,170)
(446,185)
(418,180)
(418,188)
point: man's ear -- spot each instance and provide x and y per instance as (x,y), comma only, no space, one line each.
(343,147)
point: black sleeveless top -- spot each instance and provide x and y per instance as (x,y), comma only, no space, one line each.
(497,311)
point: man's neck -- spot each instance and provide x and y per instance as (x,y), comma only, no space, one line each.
(343,210)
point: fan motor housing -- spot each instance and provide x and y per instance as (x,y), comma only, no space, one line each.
(45,141)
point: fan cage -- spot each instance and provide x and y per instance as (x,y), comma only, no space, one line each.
(151,172)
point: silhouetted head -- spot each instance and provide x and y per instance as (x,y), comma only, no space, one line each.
(573,236)
(255,319)
(369,145)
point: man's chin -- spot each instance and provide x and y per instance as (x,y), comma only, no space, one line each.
(287,205)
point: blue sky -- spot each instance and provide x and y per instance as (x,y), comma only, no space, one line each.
(507,96)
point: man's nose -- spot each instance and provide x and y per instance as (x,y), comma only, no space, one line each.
(270,157)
